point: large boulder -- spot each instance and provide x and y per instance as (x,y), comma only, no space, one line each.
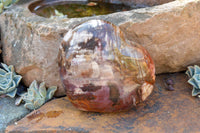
(170,32)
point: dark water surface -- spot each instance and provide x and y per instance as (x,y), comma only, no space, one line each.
(79,9)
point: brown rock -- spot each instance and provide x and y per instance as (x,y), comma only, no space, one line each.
(170,33)
(163,112)
(142,2)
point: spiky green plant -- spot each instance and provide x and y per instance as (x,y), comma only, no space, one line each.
(37,95)
(193,73)
(1,7)
(4,4)
(9,80)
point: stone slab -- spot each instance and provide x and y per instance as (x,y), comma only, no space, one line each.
(9,112)
(164,112)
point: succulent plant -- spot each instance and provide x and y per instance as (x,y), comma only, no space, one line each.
(1,7)
(4,4)
(9,80)
(37,95)
(193,73)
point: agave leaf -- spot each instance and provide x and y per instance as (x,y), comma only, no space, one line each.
(42,90)
(12,93)
(196,69)
(195,91)
(50,92)
(190,71)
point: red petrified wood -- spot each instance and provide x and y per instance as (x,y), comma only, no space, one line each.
(103,72)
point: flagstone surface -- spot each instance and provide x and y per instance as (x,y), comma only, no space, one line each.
(164,111)
(9,112)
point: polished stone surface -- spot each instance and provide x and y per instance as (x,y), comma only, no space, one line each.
(102,71)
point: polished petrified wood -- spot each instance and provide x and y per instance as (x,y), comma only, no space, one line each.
(103,72)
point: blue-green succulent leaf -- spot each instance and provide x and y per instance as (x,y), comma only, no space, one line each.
(50,92)
(8,80)
(36,95)
(11,87)
(9,75)
(3,84)
(196,69)
(190,71)
(1,92)
(195,91)
(194,74)
(30,92)
(33,89)
(33,84)
(12,93)
(29,106)
(2,76)
(38,103)
(27,98)
(42,90)
(11,69)
(17,79)
(196,78)
(193,82)
(2,72)
(5,67)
